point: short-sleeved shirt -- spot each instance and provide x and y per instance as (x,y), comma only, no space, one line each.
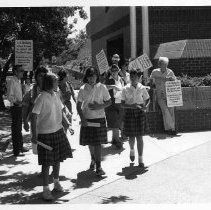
(158,77)
(115,95)
(88,94)
(136,95)
(48,107)
(14,90)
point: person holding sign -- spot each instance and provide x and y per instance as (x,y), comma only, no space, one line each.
(93,98)
(135,100)
(159,76)
(47,130)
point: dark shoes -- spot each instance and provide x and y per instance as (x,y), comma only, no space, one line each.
(100,172)
(141,165)
(24,150)
(117,143)
(92,165)
(171,132)
(132,155)
(21,151)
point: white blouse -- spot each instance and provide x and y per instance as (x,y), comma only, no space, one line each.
(133,95)
(88,94)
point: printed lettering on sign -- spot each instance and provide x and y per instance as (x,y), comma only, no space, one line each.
(24,54)
(174,93)
(102,62)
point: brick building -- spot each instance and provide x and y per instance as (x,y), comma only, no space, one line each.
(187,29)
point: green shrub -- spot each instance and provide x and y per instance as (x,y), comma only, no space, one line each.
(187,81)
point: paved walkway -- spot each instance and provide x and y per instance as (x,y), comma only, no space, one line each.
(178,170)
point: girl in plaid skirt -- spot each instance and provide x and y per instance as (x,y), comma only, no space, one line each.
(92,99)
(47,128)
(135,100)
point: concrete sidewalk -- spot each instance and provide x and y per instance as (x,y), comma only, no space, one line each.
(177,169)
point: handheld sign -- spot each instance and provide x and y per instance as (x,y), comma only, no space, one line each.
(174,93)
(24,54)
(133,65)
(143,62)
(102,62)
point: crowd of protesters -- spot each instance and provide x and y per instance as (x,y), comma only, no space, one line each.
(115,100)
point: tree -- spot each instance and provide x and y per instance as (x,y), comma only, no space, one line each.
(74,46)
(47,26)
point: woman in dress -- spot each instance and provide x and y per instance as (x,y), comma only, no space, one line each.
(93,98)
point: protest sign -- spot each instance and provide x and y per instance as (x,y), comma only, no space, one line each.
(24,54)
(102,62)
(174,93)
(133,65)
(142,62)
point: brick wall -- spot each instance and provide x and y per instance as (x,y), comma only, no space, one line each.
(186,120)
(193,120)
(178,23)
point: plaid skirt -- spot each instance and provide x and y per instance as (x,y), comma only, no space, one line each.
(94,135)
(114,115)
(61,148)
(134,123)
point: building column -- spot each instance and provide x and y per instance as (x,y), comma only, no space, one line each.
(133,32)
(145,37)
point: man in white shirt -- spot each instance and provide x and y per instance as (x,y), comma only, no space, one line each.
(159,76)
(15,97)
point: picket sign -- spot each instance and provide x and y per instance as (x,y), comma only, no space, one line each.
(142,62)
(174,93)
(102,62)
(24,54)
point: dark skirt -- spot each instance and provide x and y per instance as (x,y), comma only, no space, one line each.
(134,123)
(94,135)
(61,148)
(114,115)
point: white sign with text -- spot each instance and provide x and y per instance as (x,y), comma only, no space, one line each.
(24,54)
(102,62)
(142,62)
(174,93)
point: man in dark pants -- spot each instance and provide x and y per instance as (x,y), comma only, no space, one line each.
(15,97)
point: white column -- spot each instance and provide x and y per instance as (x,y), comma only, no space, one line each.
(133,32)
(145,30)
(145,37)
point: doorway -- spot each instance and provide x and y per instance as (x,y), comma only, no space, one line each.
(115,46)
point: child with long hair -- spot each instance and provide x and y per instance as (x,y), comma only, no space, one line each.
(92,99)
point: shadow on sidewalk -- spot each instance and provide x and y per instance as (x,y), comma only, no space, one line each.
(131,172)
(161,136)
(115,199)
(5,122)
(110,150)
(18,188)
(85,179)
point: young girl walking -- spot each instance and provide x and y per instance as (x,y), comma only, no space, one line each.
(135,100)
(47,128)
(92,99)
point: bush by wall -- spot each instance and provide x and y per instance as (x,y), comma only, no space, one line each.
(188,81)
